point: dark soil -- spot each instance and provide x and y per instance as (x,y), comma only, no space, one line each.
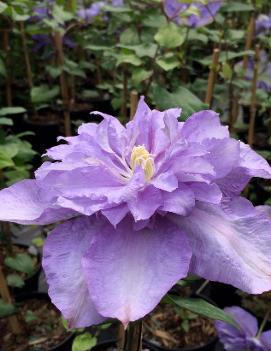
(16,250)
(44,328)
(174,328)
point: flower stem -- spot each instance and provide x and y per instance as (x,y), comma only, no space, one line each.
(263,323)
(133,337)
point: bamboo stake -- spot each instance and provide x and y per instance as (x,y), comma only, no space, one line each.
(212,77)
(6,48)
(124,93)
(249,38)
(133,103)
(253,104)
(63,82)
(133,337)
(29,74)
(5,294)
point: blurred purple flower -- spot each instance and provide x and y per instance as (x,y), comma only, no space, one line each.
(87,14)
(245,338)
(193,15)
(43,40)
(42,10)
(143,204)
(264,73)
(263,24)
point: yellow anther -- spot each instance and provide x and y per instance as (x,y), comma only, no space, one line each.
(141,157)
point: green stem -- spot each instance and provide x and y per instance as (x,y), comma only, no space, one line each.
(263,323)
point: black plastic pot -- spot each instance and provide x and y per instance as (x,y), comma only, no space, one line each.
(103,346)
(65,345)
(31,283)
(207,347)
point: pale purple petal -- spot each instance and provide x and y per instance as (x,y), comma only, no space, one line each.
(26,202)
(129,272)
(166,181)
(204,125)
(146,203)
(265,339)
(181,201)
(235,251)
(62,255)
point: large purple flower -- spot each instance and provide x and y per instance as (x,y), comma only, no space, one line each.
(144,204)
(245,338)
(195,14)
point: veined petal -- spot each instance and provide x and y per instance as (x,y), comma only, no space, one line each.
(265,340)
(27,203)
(116,214)
(62,255)
(230,249)
(129,272)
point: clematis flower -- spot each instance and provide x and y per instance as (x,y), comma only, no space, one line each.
(142,205)
(263,24)
(87,14)
(195,14)
(264,71)
(245,338)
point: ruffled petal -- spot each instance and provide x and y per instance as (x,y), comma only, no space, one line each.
(62,255)
(233,249)
(166,181)
(27,203)
(146,203)
(204,125)
(181,201)
(129,272)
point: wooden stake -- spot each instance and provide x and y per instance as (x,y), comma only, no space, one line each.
(5,294)
(253,104)
(6,48)
(29,74)
(133,103)
(212,78)
(124,93)
(249,38)
(63,82)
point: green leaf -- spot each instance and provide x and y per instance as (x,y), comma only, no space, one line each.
(43,93)
(128,58)
(142,50)
(15,281)
(237,7)
(129,37)
(22,262)
(203,308)
(30,316)
(6,121)
(84,342)
(6,309)
(140,75)
(170,36)
(38,241)
(11,110)
(3,6)
(182,97)
(168,63)
(227,71)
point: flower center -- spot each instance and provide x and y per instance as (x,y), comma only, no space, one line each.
(141,157)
